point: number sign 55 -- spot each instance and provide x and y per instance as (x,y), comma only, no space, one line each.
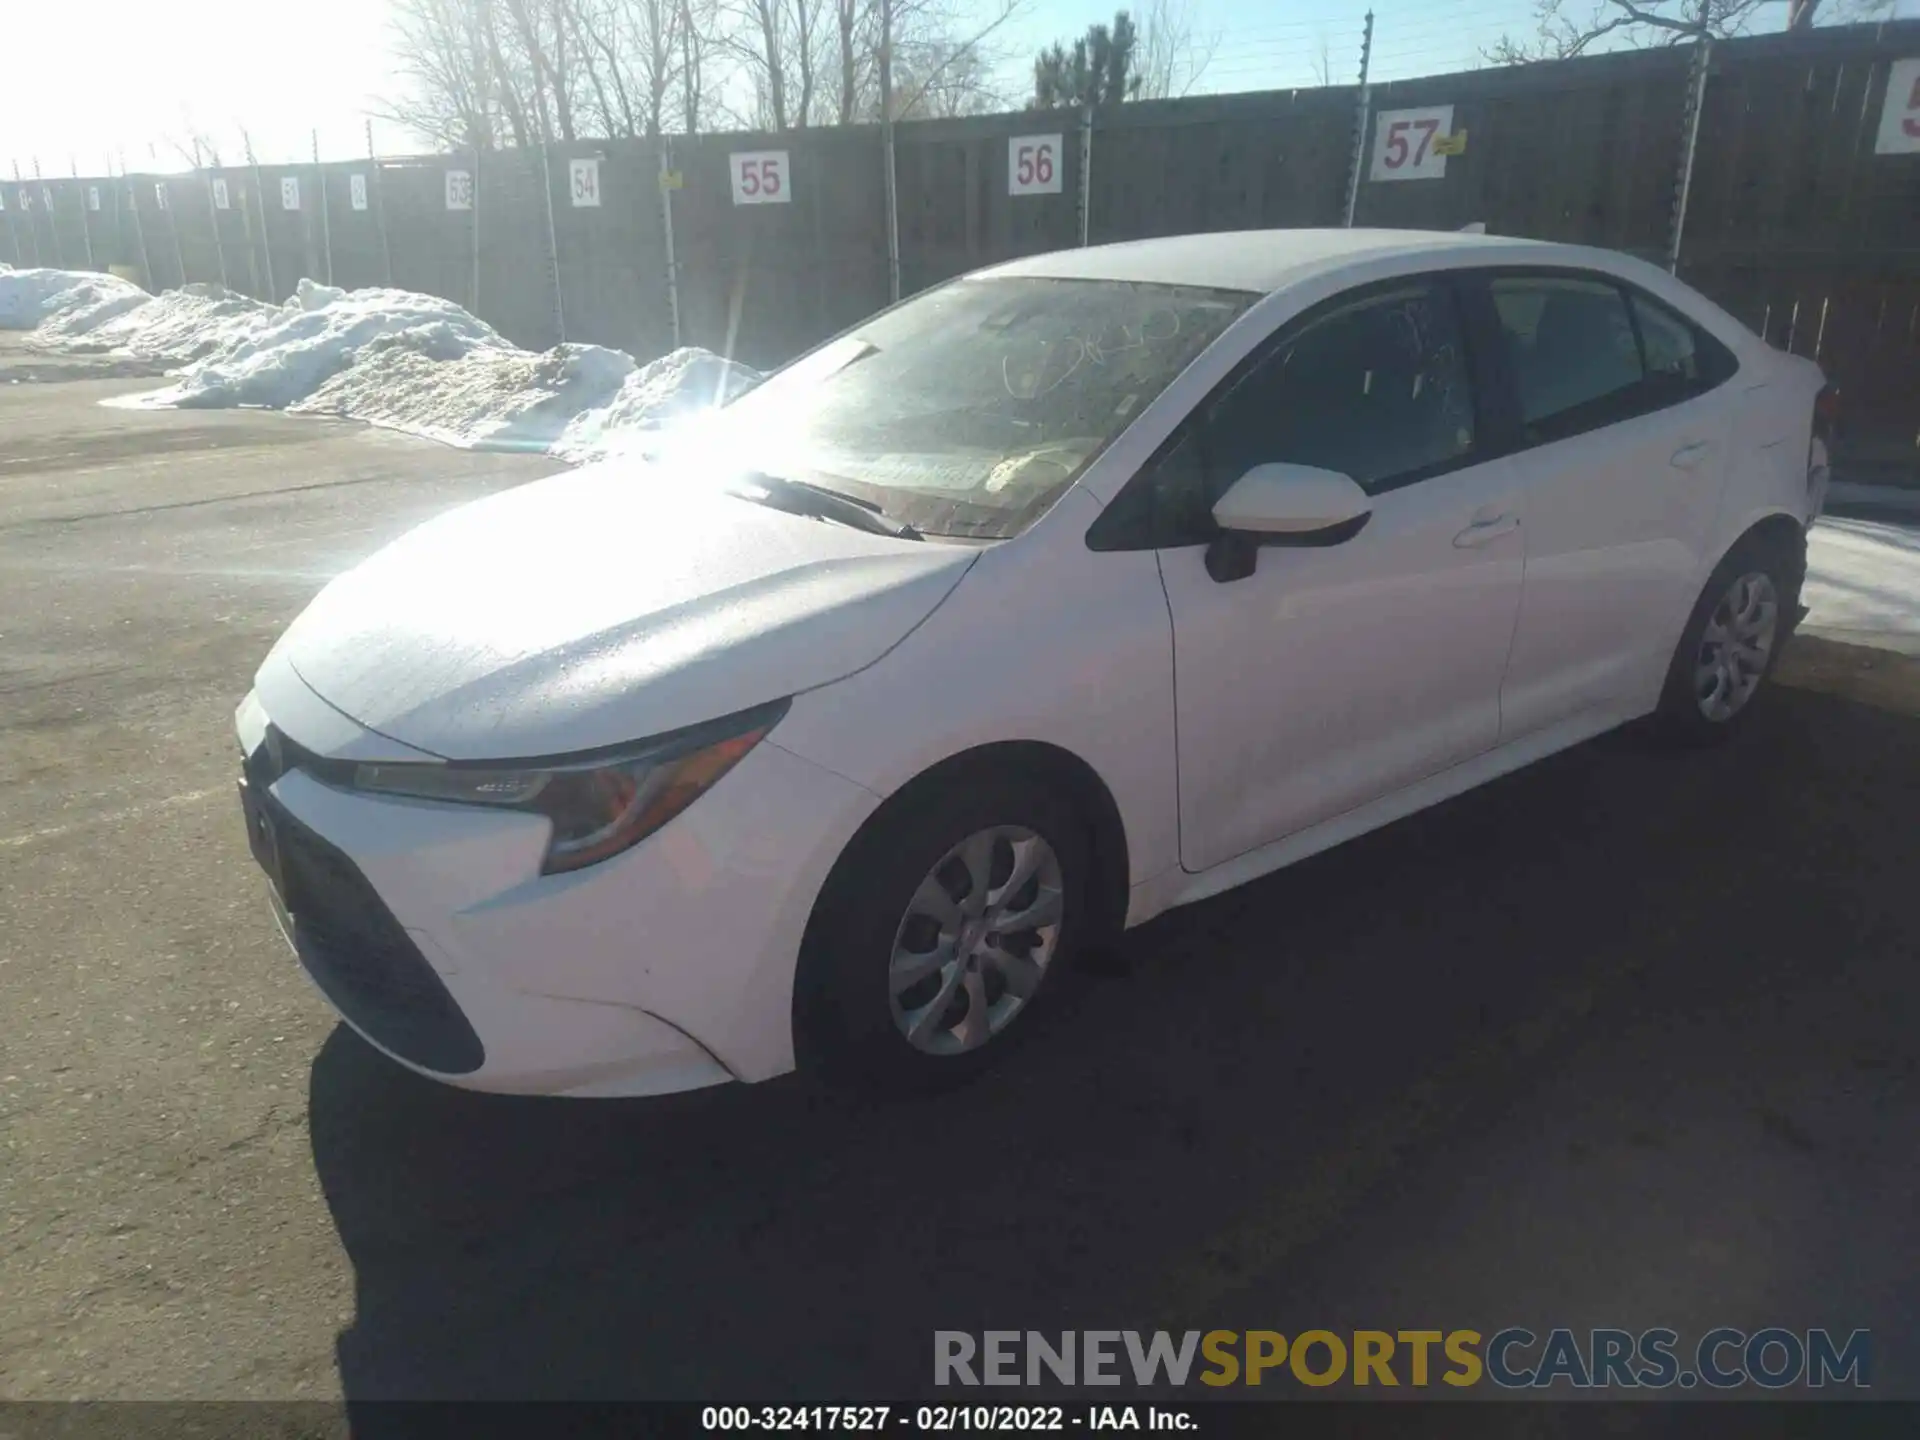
(760,177)
(1403,143)
(1033,165)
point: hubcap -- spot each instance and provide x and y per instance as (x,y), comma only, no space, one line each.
(1736,645)
(976,940)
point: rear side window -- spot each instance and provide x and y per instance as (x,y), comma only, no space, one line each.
(1682,361)
(1571,351)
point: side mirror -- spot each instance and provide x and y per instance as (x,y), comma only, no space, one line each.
(1283,505)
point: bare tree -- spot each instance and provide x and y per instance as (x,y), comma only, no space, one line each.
(1559,35)
(1169,57)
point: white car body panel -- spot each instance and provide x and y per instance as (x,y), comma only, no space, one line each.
(1045,641)
(600,607)
(1332,673)
(1237,727)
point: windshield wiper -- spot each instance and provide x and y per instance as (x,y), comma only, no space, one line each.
(803,497)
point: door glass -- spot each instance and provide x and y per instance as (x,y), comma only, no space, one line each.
(1376,390)
(1571,351)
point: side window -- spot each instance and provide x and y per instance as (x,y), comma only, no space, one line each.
(1376,389)
(1571,351)
(1681,361)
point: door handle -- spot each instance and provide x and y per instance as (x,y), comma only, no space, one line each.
(1485,530)
(1688,456)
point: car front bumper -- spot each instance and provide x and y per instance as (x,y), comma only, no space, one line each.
(430,929)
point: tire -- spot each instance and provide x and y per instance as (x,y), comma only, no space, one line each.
(1739,624)
(877,925)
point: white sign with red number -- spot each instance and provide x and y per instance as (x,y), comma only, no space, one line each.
(583,182)
(222,200)
(93,197)
(1033,165)
(760,177)
(1900,120)
(459,189)
(357,191)
(1403,143)
(289,192)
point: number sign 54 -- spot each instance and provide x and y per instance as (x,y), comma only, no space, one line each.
(1403,143)
(1033,165)
(760,177)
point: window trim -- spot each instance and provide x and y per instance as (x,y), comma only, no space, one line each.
(1479,281)
(1120,526)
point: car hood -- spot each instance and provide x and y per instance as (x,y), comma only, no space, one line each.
(604,606)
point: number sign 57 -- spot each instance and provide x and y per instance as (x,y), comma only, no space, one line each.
(760,177)
(1033,165)
(1403,143)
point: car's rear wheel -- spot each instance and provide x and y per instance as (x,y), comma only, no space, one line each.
(940,930)
(1732,640)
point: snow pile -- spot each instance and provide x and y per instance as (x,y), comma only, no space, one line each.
(314,336)
(655,395)
(389,357)
(174,327)
(28,298)
(491,397)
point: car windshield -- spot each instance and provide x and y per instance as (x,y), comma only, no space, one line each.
(969,410)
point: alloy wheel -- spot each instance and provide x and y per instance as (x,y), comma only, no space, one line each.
(1736,646)
(976,940)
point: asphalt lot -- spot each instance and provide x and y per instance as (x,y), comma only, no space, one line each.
(1625,1040)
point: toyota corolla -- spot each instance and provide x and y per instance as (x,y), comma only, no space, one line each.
(1073,590)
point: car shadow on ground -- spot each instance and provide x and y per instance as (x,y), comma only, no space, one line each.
(1282,1052)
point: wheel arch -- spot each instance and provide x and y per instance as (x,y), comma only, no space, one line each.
(1778,530)
(1049,764)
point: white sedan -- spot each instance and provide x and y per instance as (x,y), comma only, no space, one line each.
(1070,591)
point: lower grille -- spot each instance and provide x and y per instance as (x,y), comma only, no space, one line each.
(360,955)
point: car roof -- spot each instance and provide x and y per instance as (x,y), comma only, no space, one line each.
(1269,260)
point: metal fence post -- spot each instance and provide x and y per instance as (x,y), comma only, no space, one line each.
(473,291)
(379,203)
(260,203)
(53,217)
(667,179)
(213,218)
(1086,174)
(86,225)
(553,243)
(139,225)
(326,223)
(1363,116)
(173,227)
(13,231)
(1683,187)
(25,202)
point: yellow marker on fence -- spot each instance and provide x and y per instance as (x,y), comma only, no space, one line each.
(670,180)
(1454,144)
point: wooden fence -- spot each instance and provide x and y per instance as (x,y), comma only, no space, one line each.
(1797,217)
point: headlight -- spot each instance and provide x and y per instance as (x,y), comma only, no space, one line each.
(599,805)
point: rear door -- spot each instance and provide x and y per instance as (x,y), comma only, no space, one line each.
(1621,439)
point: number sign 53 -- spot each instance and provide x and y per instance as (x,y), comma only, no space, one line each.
(1033,165)
(1405,143)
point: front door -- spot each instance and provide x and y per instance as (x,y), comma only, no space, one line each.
(1335,674)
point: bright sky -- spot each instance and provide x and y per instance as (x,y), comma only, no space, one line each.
(148,75)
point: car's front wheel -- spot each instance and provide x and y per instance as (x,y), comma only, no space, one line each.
(941,929)
(1731,642)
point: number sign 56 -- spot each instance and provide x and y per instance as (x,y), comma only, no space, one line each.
(760,177)
(1033,165)
(1403,143)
